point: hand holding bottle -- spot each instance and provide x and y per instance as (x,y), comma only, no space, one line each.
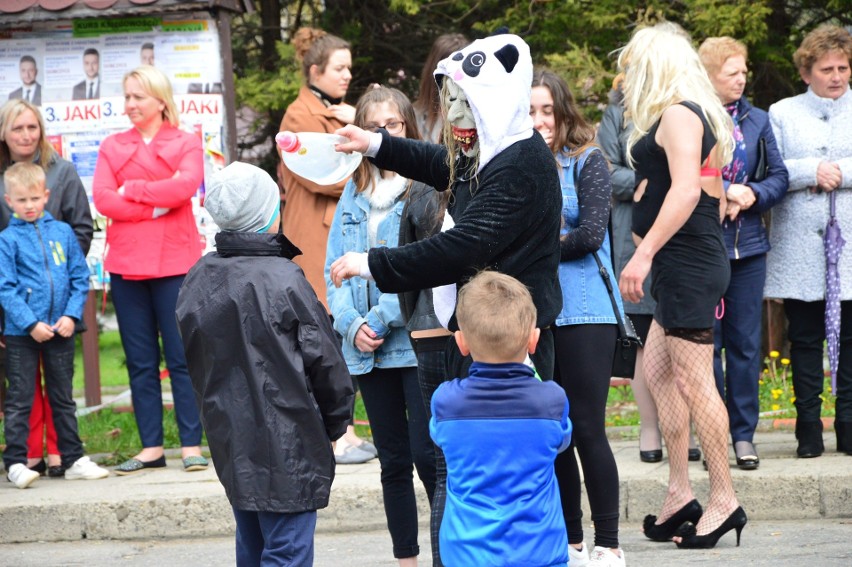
(357,140)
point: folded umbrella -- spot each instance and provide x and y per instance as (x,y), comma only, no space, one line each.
(834,242)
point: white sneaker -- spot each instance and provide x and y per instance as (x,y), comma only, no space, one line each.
(578,558)
(21,476)
(346,454)
(86,469)
(604,557)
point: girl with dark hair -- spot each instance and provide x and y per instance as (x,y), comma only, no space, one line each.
(376,346)
(428,105)
(586,319)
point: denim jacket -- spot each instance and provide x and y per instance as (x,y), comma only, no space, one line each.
(358,301)
(585,299)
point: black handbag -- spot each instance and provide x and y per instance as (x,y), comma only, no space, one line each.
(762,168)
(628,343)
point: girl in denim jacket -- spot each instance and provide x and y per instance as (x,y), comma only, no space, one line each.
(376,346)
(586,321)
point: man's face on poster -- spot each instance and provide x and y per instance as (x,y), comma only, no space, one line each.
(91,62)
(29,72)
(146,56)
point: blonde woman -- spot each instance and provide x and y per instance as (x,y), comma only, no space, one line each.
(144,181)
(677,120)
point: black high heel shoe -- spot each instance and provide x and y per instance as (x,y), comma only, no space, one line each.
(736,521)
(747,458)
(691,512)
(652,456)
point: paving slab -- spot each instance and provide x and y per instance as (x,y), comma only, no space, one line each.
(167,503)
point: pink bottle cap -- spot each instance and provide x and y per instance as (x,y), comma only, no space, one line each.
(287,141)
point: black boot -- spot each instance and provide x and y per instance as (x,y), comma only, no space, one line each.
(843,429)
(809,435)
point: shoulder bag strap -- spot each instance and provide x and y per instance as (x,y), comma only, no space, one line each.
(622,331)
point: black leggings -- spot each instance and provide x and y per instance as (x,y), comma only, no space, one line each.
(583,368)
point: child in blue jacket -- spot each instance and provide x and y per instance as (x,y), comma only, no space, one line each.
(503,505)
(44,281)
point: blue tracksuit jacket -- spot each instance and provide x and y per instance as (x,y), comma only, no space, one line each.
(501,429)
(43,274)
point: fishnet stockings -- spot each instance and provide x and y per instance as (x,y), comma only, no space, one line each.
(679,374)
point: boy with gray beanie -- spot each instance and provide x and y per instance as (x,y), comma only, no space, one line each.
(267,370)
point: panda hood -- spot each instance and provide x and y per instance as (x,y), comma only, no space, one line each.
(495,74)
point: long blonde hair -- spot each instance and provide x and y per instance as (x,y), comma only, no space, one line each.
(661,68)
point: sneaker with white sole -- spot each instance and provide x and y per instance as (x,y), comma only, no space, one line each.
(85,469)
(348,454)
(604,557)
(21,476)
(578,557)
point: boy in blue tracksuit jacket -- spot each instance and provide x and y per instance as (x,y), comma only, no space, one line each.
(44,281)
(500,429)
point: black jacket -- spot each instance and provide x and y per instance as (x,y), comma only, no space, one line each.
(421,218)
(267,372)
(507,219)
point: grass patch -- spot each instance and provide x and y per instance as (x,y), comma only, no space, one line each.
(113,432)
(113,364)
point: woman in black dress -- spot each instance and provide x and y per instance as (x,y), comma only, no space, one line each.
(676,219)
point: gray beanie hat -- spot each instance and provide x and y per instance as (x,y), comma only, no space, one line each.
(242,198)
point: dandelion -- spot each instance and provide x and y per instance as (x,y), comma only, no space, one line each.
(775,407)
(774,354)
(785,361)
(776,393)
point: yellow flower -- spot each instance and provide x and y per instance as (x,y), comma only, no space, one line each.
(774,354)
(776,393)
(785,361)
(775,407)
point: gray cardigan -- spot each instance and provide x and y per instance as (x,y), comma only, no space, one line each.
(809,129)
(612,137)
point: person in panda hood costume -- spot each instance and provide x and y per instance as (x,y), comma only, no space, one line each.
(505,205)
(506,199)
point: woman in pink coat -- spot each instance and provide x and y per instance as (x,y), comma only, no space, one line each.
(144,180)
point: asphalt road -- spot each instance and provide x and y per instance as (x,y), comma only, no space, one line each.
(817,543)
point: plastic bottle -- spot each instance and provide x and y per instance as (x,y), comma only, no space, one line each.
(312,155)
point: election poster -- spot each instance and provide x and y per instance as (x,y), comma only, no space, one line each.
(74,73)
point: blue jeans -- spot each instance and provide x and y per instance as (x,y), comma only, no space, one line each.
(738,333)
(146,309)
(400,427)
(275,539)
(22,359)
